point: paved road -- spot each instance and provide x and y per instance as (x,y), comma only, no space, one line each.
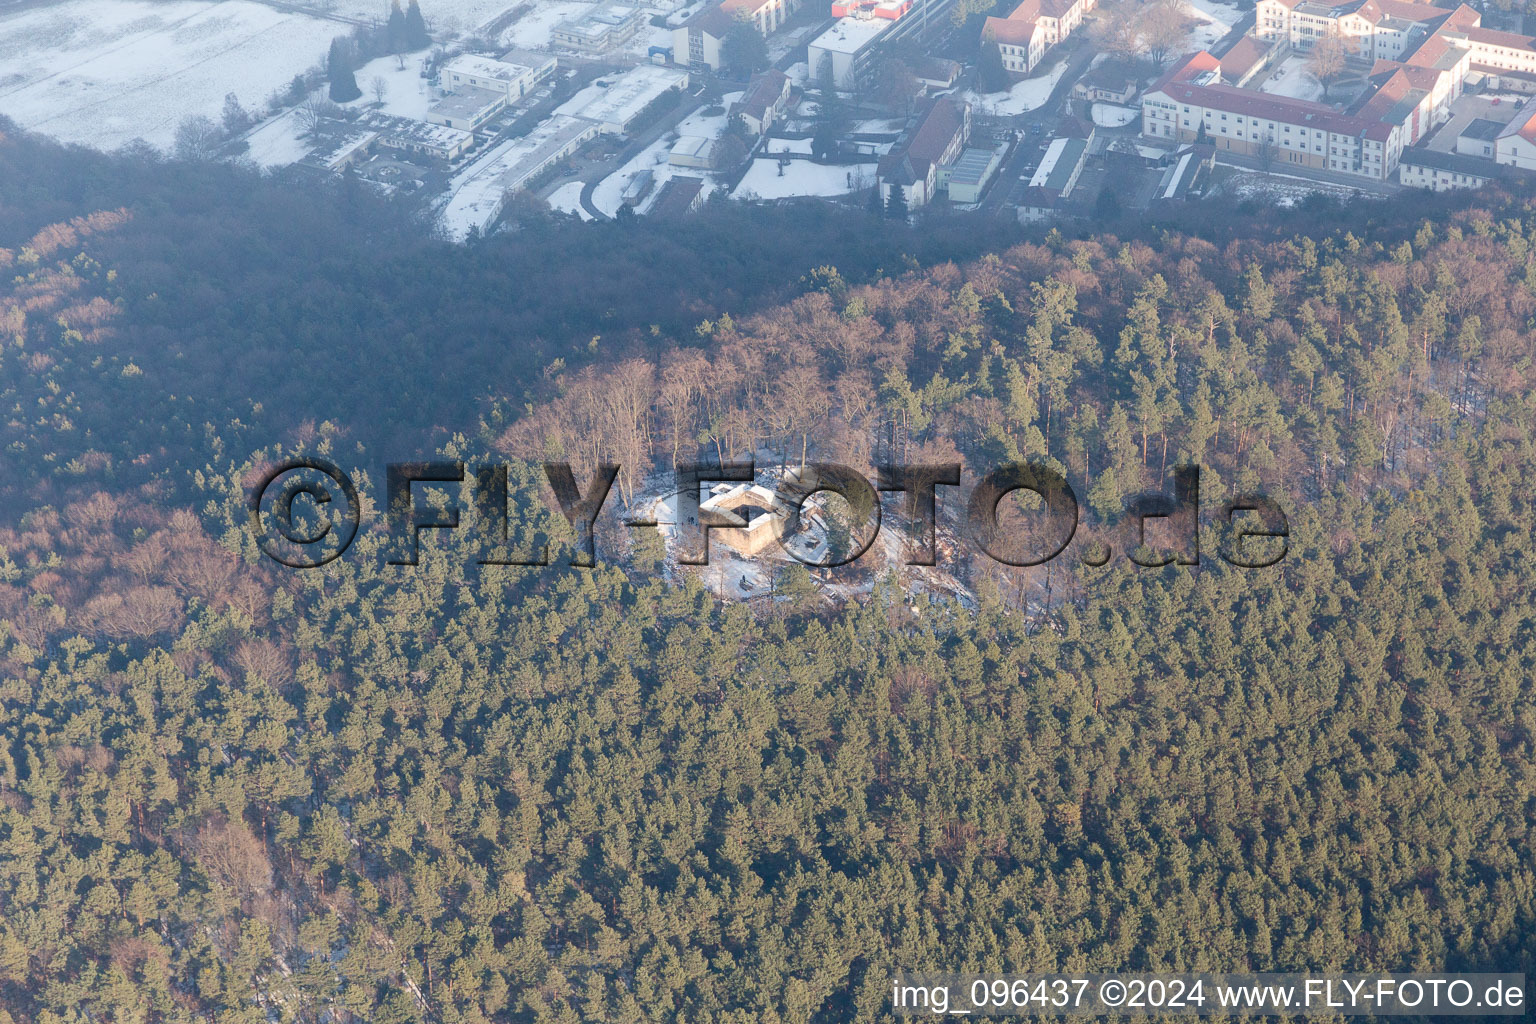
(1026,153)
(593,176)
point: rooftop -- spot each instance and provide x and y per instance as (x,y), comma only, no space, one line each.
(467,102)
(973,166)
(1482,128)
(852,34)
(1456,163)
(677,195)
(1059,164)
(487,67)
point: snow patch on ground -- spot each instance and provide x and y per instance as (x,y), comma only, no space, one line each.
(278,143)
(1294,79)
(103,72)
(1212,22)
(531,31)
(1112,115)
(802,178)
(1030,94)
(567,199)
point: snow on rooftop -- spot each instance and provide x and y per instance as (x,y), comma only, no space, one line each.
(851,34)
(476,192)
(625,95)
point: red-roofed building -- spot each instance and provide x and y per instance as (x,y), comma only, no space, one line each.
(1277,129)
(766,96)
(1516,144)
(912,165)
(1033,27)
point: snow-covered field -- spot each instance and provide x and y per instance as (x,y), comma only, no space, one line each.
(802,178)
(103,72)
(1112,115)
(1027,95)
(1293,78)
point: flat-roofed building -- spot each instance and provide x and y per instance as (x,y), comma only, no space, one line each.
(478,193)
(614,102)
(967,177)
(515,73)
(468,108)
(419,138)
(846,50)
(1479,138)
(598,29)
(1055,178)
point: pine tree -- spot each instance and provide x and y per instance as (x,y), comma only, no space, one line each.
(338,71)
(416,36)
(394,31)
(896,204)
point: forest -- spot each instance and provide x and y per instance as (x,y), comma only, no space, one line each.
(231,791)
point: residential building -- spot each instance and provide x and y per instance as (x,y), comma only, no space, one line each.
(498,74)
(1440,172)
(1192,103)
(598,29)
(1516,143)
(697,41)
(912,165)
(846,50)
(1033,27)
(681,194)
(764,101)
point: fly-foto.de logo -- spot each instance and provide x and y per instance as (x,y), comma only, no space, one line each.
(305,512)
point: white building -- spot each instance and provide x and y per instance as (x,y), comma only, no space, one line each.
(847,49)
(598,29)
(1441,172)
(515,77)
(1032,28)
(478,194)
(1516,144)
(1192,102)
(615,101)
